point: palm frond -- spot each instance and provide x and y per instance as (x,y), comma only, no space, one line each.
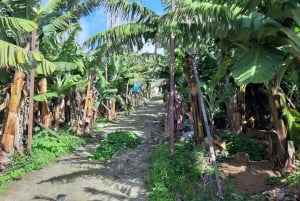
(24,9)
(15,56)
(132,12)
(207,17)
(77,7)
(51,5)
(131,34)
(60,23)
(17,24)
(56,21)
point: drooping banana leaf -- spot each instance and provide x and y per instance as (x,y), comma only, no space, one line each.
(17,24)
(292,118)
(257,65)
(45,96)
(14,56)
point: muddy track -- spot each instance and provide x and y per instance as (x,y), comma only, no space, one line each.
(78,179)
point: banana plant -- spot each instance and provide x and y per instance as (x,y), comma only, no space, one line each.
(55,16)
(262,37)
(14,56)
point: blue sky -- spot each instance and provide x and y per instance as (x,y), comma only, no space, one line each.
(96,22)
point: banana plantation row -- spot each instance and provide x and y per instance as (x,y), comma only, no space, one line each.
(246,54)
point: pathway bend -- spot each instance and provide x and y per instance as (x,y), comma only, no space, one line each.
(78,179)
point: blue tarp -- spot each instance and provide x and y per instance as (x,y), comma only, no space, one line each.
(137,87)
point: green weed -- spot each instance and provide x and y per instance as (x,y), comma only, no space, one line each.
(293,179)
(240,143)
(45,148)
(228,194)
(114,142)
(272,181)
(177,175)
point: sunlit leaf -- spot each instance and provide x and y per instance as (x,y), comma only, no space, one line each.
(257,65)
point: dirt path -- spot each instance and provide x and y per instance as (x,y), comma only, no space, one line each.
(77,178)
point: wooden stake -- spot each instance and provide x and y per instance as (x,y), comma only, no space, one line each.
(171,109)
(31,94)
(208,132)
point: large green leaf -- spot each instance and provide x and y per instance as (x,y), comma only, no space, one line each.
(131,33)
(14,56)
(45,96)
(257,65)
(212,18)
(45,68)
(17,24)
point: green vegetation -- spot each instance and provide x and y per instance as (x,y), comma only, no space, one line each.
(240,143)
(272,181)
(210,194)
(114,142)
(99,124)
(293,179)
(45,149)
(179,175)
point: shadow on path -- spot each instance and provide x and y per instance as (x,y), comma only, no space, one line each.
(121,178)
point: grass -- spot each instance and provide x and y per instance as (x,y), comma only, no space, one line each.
(181,176)
(114,142)
(101,123)
(45,149)
(272,181)
(293,179)
(178,175)
(240,143)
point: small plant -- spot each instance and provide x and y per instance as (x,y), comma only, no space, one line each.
(272,181)
(113,143)
(240,143)
(101,123)
(178,175)
(228,194)
(46,147)
(60,144)
(293,179)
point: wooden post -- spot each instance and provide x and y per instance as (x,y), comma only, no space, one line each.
(31,94)
(171,108)
(208,132)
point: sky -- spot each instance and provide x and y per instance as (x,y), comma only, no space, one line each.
(96,21)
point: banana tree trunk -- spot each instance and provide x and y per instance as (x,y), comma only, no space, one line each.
(67,109)
(11,123)
(45,117)
(113,109)
(280,140)
(56,117)
(86,120)
(90,113)
(196,108)
(126,99)
(79,111)
(239,109)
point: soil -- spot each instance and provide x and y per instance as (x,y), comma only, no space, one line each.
(249,176)
(75,178)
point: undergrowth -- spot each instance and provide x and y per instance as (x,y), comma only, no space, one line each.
(241,143)
(293,179)
(182,176)
(46,148)
(114,142)
(179,175)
